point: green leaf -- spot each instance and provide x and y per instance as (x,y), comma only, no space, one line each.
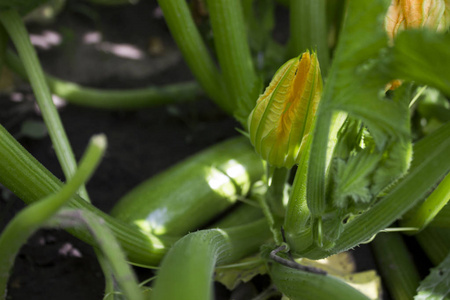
(353,87)
(421,56)
(431,162)
(434,105)
(352,178)
(356,86)
(398,151)
(394,164)
(433,109)
(349,138)
(367,172)
(437,285)
(242,271)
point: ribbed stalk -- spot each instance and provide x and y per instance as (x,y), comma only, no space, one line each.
(114,99)
(442,219)
(297,212)
(396,265)
(233,52)
(309,30)
(435,242)
(326,126)
(275,193)
(197,56)
(13,24)
(32,217)
(421,215)
(30,181)
(189,265)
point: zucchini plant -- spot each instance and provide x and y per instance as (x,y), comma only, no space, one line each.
(334,151)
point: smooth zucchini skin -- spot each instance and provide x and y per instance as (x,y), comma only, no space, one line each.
(192,192)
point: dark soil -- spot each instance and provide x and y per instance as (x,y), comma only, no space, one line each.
(53,264)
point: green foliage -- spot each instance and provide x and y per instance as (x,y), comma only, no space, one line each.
(420,56)
(431,162)
(355,179)
(351,178)
(433,109)
(373,147)
(356,86)
(350,83)
(242,271)
(437,285)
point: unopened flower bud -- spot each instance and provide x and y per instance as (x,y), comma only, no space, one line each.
(282,118)
(407,14)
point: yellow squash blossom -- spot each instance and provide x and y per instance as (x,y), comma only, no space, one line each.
(282,118)
(407,14)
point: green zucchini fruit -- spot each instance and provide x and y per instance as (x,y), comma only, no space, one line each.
(191,193)
(21,173)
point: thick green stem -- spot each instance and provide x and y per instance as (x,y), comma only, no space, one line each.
(442,219)
(13,24)
(31,218)
(297,212)
(233,53)
(190,263)
(421,215)
(276,191)
(114,99)
(435,242)
(109,279)
(272,220)
(309,30)
(396,266)
(197,56)
(317,166)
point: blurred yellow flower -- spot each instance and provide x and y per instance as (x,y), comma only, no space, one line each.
(407,14)
(282,118)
